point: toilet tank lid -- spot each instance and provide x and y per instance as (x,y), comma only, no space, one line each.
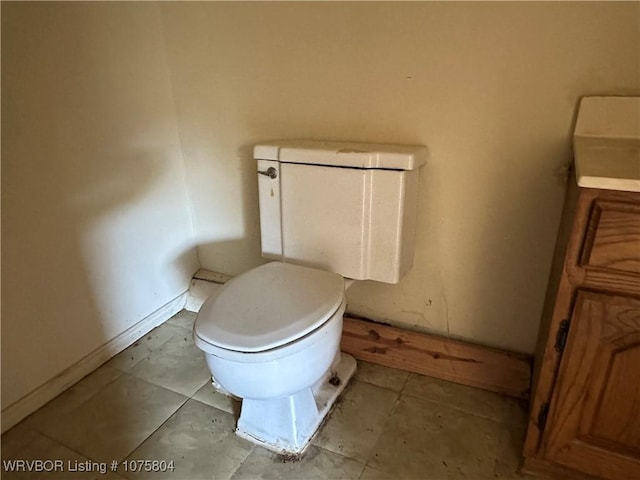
(343,154)
(269,306)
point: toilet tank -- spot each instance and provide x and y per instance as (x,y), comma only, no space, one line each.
(349,208)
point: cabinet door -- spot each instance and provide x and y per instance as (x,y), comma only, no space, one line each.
(594,418)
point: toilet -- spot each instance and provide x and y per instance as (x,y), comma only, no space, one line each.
(331,213)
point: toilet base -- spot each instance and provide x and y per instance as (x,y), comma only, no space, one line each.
(286,425)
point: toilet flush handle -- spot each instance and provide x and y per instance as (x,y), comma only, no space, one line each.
(270,172)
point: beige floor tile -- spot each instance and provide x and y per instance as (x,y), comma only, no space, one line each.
(316,463)
(386,377)
(136,403)
(371,473)
(510,447)
(73,397)
(468,399)
(200,440)
(58,462)
(183,319)
(357,420)
(139,350)
(207,394)
(16,439)
(177,364)
(114,422)
(423,436)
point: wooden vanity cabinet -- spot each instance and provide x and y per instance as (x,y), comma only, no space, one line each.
(584,420)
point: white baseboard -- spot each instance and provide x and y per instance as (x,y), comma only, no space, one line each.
(199,291)
(28,404)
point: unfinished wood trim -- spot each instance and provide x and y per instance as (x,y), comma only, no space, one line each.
(465,363)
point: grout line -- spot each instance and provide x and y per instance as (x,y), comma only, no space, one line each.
(253,449)
(71,449)
(404,385)
(388,389)
(186,399)
(382,430)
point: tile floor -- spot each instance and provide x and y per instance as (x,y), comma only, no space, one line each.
(153,401)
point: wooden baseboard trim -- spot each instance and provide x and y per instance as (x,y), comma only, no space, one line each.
(465,363)
(456,361)
(28,404)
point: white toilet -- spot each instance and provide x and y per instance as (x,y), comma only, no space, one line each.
(271,336)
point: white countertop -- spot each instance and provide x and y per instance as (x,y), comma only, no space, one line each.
(606,143)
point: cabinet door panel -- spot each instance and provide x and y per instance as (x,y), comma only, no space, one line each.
(613,237)
(594,419)
(615,416)
(611,251)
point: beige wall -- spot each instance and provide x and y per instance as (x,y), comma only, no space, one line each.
(105,104)
(96,224)
(492,89)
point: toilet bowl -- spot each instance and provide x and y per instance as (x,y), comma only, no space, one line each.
(271,337)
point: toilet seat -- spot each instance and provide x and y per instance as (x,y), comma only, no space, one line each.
(268,307)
